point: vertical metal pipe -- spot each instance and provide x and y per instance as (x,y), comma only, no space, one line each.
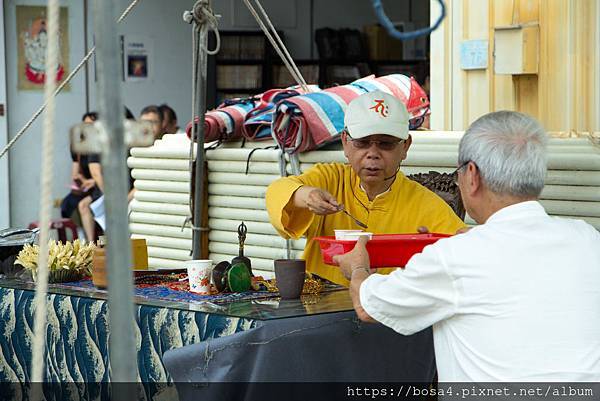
(122,349)
(200,157)
(86,73)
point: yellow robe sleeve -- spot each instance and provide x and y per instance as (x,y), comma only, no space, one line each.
(288,220)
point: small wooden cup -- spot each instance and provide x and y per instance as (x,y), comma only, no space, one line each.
(99,268)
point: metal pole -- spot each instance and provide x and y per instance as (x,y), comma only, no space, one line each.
(122,348)
(200,156)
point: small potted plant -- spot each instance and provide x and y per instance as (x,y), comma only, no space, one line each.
(66,262)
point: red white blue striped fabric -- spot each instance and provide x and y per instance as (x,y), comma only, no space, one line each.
(305,122)
(226,122)
(257,125)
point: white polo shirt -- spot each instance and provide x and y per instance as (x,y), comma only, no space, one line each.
(514,299)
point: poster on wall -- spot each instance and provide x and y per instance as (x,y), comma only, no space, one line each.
(31,49)
(137,58)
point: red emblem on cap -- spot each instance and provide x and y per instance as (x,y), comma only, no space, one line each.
(380,107)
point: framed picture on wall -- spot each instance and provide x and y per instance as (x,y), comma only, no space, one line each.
(31,48)
(137,58)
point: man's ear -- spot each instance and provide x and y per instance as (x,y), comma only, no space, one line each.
(404,146)
(474,178)
(407,143)
(344,137)
(345,142)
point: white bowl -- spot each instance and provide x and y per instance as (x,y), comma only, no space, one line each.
(354,236)
(341,234)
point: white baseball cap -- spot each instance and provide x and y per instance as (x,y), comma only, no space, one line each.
(376,113)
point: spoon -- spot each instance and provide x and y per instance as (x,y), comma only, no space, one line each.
(357,221)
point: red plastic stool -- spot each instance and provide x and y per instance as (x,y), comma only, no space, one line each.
(60,225)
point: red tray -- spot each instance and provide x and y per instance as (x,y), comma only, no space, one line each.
(385,250)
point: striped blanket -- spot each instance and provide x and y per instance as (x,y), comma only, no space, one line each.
(259,120)
(226,122)
(305,122)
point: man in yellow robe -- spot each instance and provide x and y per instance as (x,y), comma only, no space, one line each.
(370,187)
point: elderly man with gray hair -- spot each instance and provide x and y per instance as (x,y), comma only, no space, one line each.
(513,299)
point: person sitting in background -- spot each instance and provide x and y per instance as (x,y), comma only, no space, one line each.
(153,115)
(514,299)
(87,185)
(98,205)
(371,187)
(169,120)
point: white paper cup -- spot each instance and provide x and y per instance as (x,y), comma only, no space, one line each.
(355,236)
(199,272)
(344,234)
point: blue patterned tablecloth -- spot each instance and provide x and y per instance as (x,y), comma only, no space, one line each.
(77,339)
(164,293)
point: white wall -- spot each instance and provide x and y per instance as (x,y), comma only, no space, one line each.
(4,180)
(170,83)
(25,156)
(170,80)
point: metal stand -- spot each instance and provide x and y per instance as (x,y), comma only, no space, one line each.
(198,17)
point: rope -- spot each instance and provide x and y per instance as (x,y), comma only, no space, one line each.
(201,15)
(194,135)
(41,284)
(188,220)
(295,162)
(252,152)
(292,68)
(389,26)
(281,44)
(45,104)
(285,57)
(127,10)
(289,63)
(62,85)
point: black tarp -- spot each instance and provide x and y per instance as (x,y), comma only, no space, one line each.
(300,358)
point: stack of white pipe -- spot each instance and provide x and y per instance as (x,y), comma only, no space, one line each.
(162,200)
(234,196)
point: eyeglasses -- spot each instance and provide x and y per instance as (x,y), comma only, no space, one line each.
(455,172)
(366,143)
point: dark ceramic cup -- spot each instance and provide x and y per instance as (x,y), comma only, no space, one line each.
(290,274)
